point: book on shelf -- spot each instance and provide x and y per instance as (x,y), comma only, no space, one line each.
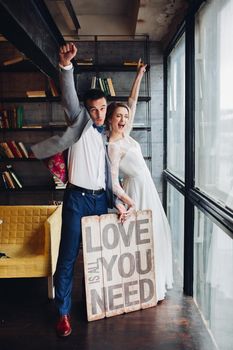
(58,183)
(105,86)
(32,126)
(3,180)
(53,88)
(93,82)
(7,150)
(36,93)
(101,85)
(111,88)
(10,117)
(133,63)
(14,149)
(4,119)
(14,176)
(8,178)
(14,60)
(23,149)
(20,113)
(14,118)
(85,61)
(58,123)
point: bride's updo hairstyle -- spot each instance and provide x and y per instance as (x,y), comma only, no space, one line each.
(111,109)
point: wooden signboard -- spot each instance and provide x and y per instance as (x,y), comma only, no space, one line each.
(118,264)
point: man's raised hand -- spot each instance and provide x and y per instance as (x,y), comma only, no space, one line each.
(66,53)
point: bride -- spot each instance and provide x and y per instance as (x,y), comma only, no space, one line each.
(138,190)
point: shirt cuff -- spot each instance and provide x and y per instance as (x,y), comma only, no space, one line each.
(69,67)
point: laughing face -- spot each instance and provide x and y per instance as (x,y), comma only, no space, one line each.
(119,119)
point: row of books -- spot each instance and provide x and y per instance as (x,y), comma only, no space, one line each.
(13,149)
(9,178)
(105,84)
(11,118)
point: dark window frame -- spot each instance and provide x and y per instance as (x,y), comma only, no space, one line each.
(193,196)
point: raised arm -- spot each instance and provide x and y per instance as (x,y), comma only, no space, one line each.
(70,99)
(133,97)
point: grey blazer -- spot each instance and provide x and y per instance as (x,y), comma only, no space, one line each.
(79,121)
(77,117)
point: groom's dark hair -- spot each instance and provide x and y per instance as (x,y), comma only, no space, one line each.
(93,94)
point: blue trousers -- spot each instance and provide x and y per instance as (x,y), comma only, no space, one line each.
(75,205)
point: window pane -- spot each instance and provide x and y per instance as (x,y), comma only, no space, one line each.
(176,109)
(175,213)
(213,278)
(214,101)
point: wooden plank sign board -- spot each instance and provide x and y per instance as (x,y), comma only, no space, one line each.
(118,264)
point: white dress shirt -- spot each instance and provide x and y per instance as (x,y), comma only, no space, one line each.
(86,158)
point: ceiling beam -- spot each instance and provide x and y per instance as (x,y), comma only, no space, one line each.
(28,25)
(72,15)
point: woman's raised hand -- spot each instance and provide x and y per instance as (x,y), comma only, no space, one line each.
(66,53)
(141,67)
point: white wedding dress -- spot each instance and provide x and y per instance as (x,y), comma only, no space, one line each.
(127,160)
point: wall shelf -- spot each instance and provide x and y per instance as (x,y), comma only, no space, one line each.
(29,99)
(33,174)
(106,68)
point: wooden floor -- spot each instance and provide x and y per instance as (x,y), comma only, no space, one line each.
(27,320)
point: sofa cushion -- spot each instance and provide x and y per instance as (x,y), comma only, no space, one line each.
(28,266)
(23,229)
(25,238)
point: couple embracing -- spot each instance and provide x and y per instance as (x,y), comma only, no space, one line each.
(93,177)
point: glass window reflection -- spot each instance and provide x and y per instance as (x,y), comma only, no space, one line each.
(213,278)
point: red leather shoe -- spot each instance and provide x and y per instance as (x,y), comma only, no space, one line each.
(63,326)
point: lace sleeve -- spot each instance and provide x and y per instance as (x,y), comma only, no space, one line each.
(115,154)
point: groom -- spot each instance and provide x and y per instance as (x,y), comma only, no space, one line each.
(89,189)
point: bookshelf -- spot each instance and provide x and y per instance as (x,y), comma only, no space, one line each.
(108,57)
(38,186)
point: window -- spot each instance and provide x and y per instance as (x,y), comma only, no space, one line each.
(175,213)
(213,278)
(212,140)
(214,101)
(176,109)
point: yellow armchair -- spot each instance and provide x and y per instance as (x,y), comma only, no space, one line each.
(30,238)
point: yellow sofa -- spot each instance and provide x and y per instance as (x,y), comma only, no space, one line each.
(29,238)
